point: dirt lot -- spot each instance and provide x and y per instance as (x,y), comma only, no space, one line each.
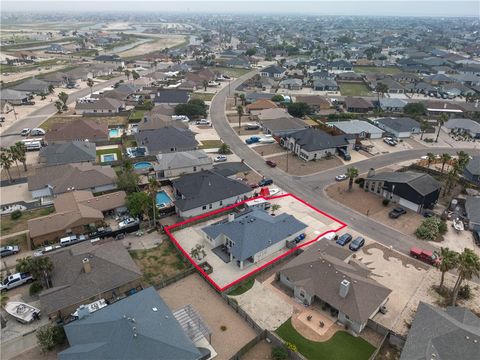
(371,205)
(299,167)
(160,262)
(457,240)
(261,351)
(214,311)
(10,226)
(110,120)
(269,149)
(165,41)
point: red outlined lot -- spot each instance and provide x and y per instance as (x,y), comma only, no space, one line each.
(168,231)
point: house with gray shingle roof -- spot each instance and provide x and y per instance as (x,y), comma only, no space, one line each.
(166,139)
(253,235)
(392,104)
(140,326)
(67,153)
(472,170)
(14,97)
(463,126)
(472,208)
(440,334)
(415,191)
(104,105)
(171,165)
(399,127)
(273,71)
(327,275)
(206,191)
(358,129)
(33,86)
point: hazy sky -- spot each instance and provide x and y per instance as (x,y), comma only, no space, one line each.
(327,7)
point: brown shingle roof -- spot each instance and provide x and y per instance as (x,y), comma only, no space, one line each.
(111,266)
(77,130)
(321,269)
(61,178)
(261,104)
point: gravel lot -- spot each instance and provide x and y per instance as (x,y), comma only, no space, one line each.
(299,167)
(214,310)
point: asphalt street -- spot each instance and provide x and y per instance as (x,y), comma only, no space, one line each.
(311,188)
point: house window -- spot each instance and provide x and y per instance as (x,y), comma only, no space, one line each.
(194,168)
(347,317)
(204,207)
(221,202)
(302,293)
(209,206)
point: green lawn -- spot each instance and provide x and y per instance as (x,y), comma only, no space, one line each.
(354,89)
(233,72)
(109,151)
(136,116)
(375,69)
(9,226)
(243,287)
(341,346)
(203,96)
(210,144)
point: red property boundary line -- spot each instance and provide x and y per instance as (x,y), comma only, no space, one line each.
(207,277)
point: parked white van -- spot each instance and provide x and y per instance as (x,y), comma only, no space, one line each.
(72,239)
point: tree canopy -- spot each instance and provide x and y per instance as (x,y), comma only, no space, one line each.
(139,204)
(415,109)
(298,109)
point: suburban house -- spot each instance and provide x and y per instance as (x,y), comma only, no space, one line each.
(56,79)
(340,65)
(167,139)
(33,86)
(273,71)
(325,85)
(358,105)
(104,105)
(261,104)
(269,114)
(86,272)
(78,130)
(472,208)
(50,181)
(415,191)
(205,191)
(155,120)
(291,84)
(253,235)
(171,96)
(14,97)
(67,153)
(472,170)
(55,49)
(315,102)
(312,144)
(282,126)
(399,127)
(327,274)
(436,333)
(358,129)
(392,104)
(171,165)
(141,326)
(74,211)
(463,126)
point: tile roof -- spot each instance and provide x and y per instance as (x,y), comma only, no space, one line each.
(112,267)
(254,231)
(108,334)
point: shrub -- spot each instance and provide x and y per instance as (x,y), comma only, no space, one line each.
(430,228)
(291,346)
(35,288)
(465,292)
(385,202)
(279,353)
(49,336)
(223,328)
(17,214)
(442,227)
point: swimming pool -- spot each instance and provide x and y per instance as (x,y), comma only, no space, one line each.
(114,133)
(108,157)
(162,199)
(143,165)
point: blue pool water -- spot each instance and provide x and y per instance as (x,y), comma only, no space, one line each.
(162,199)
(109,157)
(113,132)
(142,165)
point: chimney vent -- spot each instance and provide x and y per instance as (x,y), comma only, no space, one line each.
(231,217)
(86,265)
(344,287)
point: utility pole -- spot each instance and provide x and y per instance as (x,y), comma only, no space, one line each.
(287,158)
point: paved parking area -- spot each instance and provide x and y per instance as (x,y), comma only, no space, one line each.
(225,273)
(300,167)
(214,311)
(265,307)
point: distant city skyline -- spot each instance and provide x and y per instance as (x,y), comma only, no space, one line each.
(435,8)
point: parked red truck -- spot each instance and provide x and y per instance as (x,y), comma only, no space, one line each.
(426,256)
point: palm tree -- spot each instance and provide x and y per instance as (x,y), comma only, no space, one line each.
(40,267)
(381,89)
(445,158)
(240,114)
(51,89)
(63,97)
(463,159)
(135,76)
(205,85)
(275,207)
(442,120)
(235,96)
(449,262)
(243,99)
(351,173)
(423,128)
(468,267)
(127,74)
(90,84)
(451,177)
(6,162)
(430,158)
(15,156)
(152,189)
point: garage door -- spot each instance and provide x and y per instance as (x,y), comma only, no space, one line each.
(408,204)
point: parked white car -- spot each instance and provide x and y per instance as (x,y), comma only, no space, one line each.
(14,280)
(127,222)
(341,177)
(183,118)
(25,132)
(202,122)
(37,132)
(220,158)
(267,139)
